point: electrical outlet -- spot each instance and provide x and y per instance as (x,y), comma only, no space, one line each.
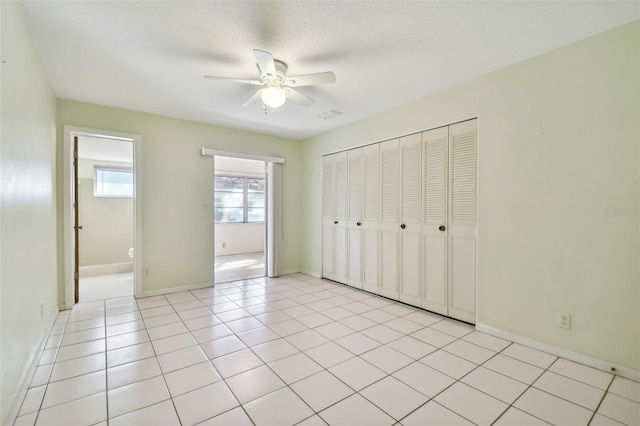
(224,245)
(564,320)
(146,272)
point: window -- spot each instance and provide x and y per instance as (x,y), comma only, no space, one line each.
(239,199)
(112,181)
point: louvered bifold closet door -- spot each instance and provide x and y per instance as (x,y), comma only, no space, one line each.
(462,220)
(354,224)
(328,214)
(340,222)
(435,147)
(371,219)
(410,218)
(390,217)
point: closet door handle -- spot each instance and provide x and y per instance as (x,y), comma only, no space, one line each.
(403,226)
(335,222)
(442,228)
(358,224)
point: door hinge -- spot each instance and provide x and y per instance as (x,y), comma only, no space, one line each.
(75,154)
(77,276)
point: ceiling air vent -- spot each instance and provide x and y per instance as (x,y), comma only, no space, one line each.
(329,115)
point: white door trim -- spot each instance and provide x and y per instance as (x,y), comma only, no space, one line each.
(68,226)
(273,224)
(210,152)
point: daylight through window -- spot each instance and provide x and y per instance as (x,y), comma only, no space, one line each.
(112,181)
(239,199)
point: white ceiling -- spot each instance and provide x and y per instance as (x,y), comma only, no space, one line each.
(151,55)
(97,148)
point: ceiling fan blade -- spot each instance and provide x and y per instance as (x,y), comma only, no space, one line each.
(311,79)
(298,97)
(233,80)
(252,100)
(265,62)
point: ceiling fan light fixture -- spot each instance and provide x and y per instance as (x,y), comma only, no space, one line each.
(273,96)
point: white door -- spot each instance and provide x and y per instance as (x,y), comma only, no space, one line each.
(462,220)
(434,227)
(354,224)
(340,223)
(389,218)
(371,219)
(410,218)
(328,209)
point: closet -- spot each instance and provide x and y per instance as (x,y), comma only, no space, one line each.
(399,219)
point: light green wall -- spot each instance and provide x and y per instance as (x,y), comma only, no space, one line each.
(177,198)
(559,144)
(28,214)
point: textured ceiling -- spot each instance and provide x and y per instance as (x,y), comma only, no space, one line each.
(151,55)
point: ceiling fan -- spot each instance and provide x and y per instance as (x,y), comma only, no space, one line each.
(276,86)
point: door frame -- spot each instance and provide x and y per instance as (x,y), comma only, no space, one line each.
(69,132)
(273,211)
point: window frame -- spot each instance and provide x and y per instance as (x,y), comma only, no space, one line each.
(120,169)
(245,198)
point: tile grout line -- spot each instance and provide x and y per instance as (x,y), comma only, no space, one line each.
(338,304)
(595,411)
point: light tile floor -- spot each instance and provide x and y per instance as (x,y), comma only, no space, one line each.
(298,350)
(103,287)
(236,267)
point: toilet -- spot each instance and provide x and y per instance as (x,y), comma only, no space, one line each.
(131,253)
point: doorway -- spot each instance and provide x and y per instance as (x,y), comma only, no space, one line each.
(273,204)
(239,219)
(102,215)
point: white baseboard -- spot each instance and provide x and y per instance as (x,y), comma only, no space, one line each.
(29,372)
(311,273)
(173,290)
(620,370)
(289,272)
